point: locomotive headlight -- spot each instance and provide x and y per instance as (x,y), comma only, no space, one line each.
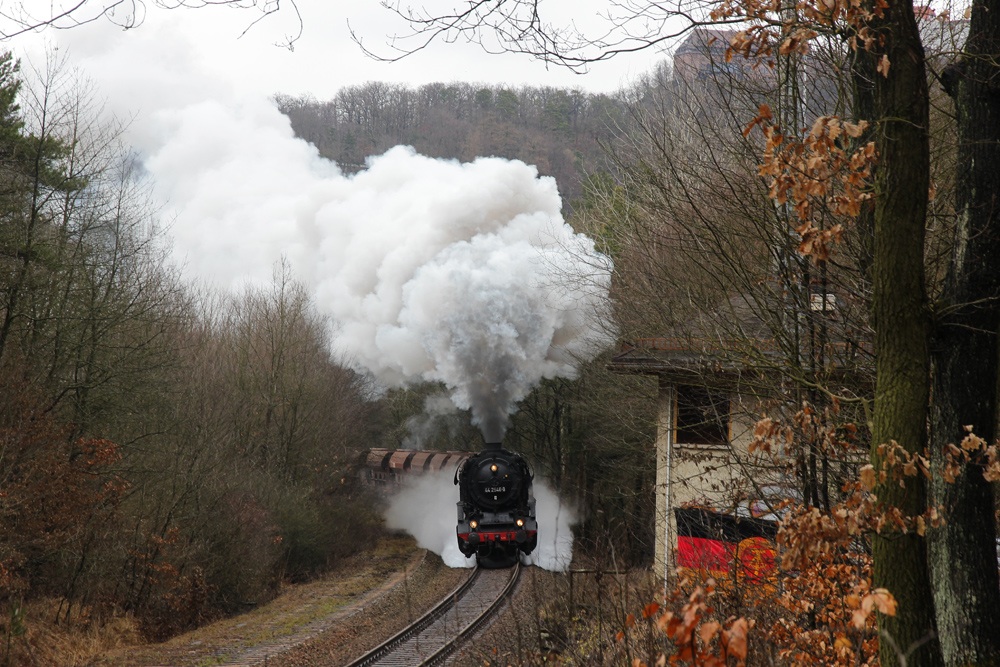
(520,523)
(494,468)
(473,524)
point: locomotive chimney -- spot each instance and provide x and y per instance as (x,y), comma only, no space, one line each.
(492,446)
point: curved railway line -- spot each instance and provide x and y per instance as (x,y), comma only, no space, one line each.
(433,637)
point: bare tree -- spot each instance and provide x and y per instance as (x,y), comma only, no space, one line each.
(963,552)
(524,26)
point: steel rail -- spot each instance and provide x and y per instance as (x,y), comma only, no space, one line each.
(418,625)
(432,626)
(442,654)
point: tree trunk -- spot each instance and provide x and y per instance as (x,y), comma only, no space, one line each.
(902,328)
(963,551)
(863,104)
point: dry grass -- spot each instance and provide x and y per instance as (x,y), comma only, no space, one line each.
(73,642)
(89,641)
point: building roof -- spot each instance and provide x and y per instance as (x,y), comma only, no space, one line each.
(735,339)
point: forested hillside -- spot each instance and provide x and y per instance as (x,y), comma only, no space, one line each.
(560,131)
(165,452)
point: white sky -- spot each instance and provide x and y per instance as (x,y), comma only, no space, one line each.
(325,58)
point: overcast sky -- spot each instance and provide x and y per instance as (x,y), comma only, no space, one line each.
(324,58)
(238,188)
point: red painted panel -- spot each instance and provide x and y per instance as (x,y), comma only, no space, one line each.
(704,554)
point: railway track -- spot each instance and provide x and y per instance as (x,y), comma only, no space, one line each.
(433,637)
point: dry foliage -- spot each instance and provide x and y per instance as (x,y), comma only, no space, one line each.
(74,642)
(825,169)
(828,171)
(695,634)
(822,608)
(774,31)
(55,492)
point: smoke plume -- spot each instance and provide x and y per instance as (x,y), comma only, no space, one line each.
(430,270)
(462,274)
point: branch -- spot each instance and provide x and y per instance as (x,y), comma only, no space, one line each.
(517,26)
(18,19)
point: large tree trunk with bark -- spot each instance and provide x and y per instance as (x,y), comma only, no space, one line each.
(963,551)
(902,327)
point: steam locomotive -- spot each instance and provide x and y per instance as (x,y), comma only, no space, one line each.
(496,507)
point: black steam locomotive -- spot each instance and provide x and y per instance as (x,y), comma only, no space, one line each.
(496,508)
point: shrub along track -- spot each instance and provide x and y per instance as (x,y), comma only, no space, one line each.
(325,622)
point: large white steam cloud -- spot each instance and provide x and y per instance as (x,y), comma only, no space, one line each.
(463,274)
(425,508)
(430,270)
